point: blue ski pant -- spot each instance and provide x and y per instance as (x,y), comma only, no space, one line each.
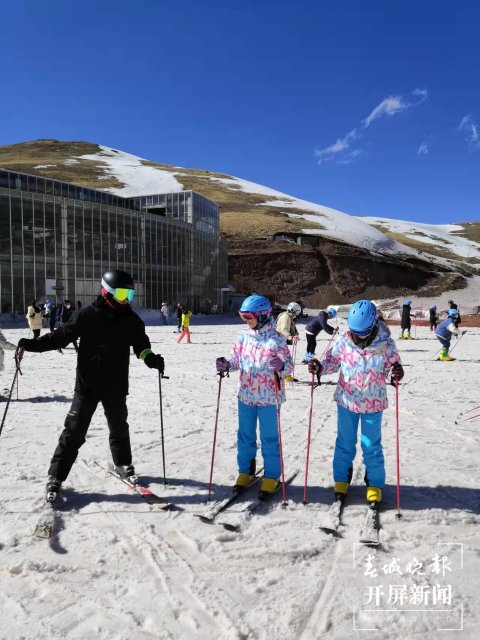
(443,341)
(247,438)
(371,442)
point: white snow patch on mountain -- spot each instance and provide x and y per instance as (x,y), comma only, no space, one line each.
(441,235)
(139,180)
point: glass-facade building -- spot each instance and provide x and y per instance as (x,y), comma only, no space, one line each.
(57,239)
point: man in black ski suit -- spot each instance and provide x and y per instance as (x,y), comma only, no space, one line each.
(106,329)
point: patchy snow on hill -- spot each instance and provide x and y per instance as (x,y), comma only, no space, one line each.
(444,236)
(336,224)
(139,179)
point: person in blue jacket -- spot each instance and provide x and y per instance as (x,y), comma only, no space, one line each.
(314,327)
(445,331)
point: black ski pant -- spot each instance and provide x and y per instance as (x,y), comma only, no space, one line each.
(75,431)
(311,343)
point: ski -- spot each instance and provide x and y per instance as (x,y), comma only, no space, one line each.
(331,519)
(147,495)
(370,532)
(253,506)
(213,510)
(45,526)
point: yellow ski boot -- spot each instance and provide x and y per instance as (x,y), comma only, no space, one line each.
(269,486)
(244,480)
(340,487)
(374,494)
(444,357)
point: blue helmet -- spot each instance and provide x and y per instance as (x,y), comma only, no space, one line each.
(407,302)
(362,317)
(453,313)
(256,304)
(332,313)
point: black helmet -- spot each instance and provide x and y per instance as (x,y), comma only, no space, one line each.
(117,279)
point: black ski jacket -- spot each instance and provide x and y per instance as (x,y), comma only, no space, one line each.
(319,324)
(406,322)
(104,351)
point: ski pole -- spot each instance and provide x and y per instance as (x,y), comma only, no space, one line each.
(160,376)
(215,434)
(294,355)
(469,418)
(308,440)
(284,496)
(398,514)
(18,359)
(468,411)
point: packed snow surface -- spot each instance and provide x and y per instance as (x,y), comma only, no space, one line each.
(118,569)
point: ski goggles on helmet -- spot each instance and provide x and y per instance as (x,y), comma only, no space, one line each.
(119,293)
(247,315)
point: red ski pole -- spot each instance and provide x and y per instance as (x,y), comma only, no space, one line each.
(467,419)
(215,434)
(284,496)
(308,440)
(398,514)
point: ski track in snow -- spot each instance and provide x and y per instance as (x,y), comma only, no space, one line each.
(119,569)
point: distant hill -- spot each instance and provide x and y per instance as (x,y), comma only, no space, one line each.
(341,256)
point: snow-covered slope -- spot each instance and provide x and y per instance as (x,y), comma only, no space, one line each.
(138,179)
(119,570)
(445,236)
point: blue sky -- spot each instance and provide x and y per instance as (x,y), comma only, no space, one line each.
(370,107)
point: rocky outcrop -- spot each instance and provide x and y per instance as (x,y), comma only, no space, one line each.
(332,272)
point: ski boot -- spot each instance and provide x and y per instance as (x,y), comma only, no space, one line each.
(401,337)
(374,494)
(128,472)
(269,486)
(444,357)
(243,481)
(52,489)
(308,357)
(408,336)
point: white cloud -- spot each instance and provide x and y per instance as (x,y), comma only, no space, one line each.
(423,149)
(386,108)
(350,157)
(470,128)
(342,144)
(422,95)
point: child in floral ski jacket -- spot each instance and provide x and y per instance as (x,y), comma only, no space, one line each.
(364,355)
(261,354)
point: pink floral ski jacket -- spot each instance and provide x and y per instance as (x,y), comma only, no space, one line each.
(361,385)
(251,353)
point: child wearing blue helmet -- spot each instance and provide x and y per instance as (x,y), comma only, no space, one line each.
(365,354)
(314,327)
(262,355)
(445,331)
(406,323)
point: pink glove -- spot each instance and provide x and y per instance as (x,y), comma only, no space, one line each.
(275,363)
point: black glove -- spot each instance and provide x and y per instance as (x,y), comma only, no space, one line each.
(29,345)
(155,361)
(397,373)
(222,365)
(314,366)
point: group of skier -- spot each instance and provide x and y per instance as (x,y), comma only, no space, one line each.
(443,331)
(365,355)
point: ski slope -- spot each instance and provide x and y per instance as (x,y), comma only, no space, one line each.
(117,569)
